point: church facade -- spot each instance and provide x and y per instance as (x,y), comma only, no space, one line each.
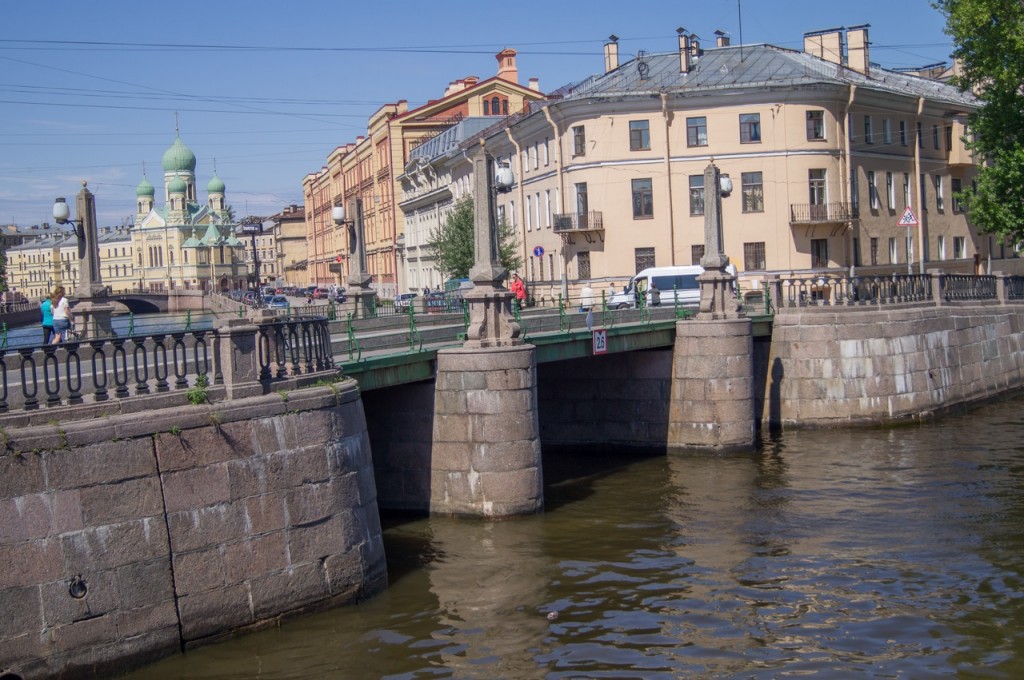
(185,244)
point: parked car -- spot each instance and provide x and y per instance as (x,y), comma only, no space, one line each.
(403,300)
(277,302)
(321,293)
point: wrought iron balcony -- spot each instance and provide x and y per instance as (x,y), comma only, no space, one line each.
(587,221)
(820,213)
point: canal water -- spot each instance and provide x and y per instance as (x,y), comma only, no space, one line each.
(872,553)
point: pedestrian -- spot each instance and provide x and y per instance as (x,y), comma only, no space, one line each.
(518,289)
(586,298)
(46,310)
(655,294)
(63,321)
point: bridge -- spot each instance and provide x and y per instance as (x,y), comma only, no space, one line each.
(149,510)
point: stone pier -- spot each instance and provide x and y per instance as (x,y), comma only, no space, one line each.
(486,457)
(712,402)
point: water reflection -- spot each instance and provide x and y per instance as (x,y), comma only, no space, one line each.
(872,553)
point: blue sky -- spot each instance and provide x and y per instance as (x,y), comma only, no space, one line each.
(267,89)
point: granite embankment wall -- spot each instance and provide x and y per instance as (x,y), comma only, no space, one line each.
(131,537)
(832,368)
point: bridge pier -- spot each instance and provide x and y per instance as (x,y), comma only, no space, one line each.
(712,393)
(485,454)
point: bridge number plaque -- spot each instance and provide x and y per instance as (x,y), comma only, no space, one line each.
(600,341)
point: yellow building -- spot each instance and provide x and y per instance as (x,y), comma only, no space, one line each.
(825,151)
(49,258)
(369,168)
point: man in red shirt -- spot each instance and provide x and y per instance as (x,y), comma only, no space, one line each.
(518,288)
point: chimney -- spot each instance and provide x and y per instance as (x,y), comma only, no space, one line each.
(535,84)
(695,50)
(685,58)
(857,48)
(507,65)
(826,44)
(611,53)
(721,39)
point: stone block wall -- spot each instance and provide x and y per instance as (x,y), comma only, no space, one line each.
(615,401)
(833,368)
(400,425)
(183,527)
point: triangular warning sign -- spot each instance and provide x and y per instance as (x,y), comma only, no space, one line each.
(909,219)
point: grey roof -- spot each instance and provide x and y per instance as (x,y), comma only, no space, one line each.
(451,138)
(752,66)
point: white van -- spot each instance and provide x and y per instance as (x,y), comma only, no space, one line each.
(676,284)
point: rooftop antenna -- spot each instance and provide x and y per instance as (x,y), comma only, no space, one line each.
(641,65)
(176,131)
(739,11)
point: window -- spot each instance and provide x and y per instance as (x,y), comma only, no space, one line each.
(874,250)
(910,248)
(643,198)
(815,125)
(957,187)
(697,131)
(949,137)
(643,258)
(872,190)
(924,192)
(579,142)
(941,246)
(935,137)
(906,189)
(940,200)
(894,256)
(816,186)
(581,199)
(696,253)
(890,190)
(855,193)
(819,253)
(849,127)
(920,135)
(639,135)
(583,264)
(696,194)
(536,154)
(960,247)
(529,213)
(886,131)
(903,132)
(753,192)
(753,256)
(750,128)
(869,137)
(547,158)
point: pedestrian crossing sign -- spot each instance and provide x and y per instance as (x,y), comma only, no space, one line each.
(909,219)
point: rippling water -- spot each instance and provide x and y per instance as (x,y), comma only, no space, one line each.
(891,553)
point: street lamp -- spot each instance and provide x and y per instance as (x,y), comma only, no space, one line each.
(358,279)
(88,248)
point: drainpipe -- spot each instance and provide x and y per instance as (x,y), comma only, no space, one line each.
(668,181)
(522,194)
(560,183)
(916,182)
(849,170)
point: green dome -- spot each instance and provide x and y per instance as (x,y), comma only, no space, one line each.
(216,186)
(176,186)
(179,158)
(145,188)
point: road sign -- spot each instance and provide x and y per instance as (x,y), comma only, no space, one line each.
(538,251)
(252,229)
(600,341)
(909,219)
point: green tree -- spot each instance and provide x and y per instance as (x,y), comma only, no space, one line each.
(988,38)
(452,243)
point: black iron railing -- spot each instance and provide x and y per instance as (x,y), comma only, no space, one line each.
(585,221)
(819,213)
(102,369)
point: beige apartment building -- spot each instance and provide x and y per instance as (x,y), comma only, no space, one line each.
(368,170)
(825,151)
(49,258)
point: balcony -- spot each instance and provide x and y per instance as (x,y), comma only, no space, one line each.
(820,213)
(588,221)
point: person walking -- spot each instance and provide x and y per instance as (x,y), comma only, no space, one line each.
(518,288)
(63,321)
(46,309)
(655,295)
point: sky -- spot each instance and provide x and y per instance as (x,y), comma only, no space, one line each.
(265,90)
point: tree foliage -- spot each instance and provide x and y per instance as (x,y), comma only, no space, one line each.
(988,38)
(452,244)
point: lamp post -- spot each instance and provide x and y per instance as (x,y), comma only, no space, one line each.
(358,279)
(717,283)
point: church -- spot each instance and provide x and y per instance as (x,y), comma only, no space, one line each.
(185,244)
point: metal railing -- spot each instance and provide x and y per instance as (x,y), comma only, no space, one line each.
(101,369)
(819,213)
(577,221)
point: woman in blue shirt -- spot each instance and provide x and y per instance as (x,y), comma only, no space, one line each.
(47,309)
